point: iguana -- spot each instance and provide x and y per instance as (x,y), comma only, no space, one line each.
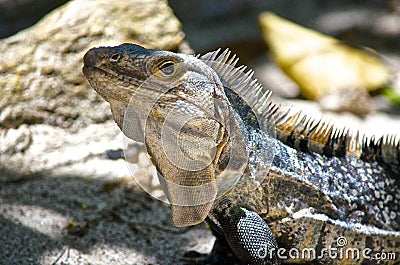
(273,186)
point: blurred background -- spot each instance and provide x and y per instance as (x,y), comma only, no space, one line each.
(233,23)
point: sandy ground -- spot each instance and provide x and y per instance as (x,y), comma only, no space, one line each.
(87,209)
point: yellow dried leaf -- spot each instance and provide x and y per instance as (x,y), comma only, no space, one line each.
(320,63)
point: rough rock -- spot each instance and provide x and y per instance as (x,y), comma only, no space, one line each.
(40,67)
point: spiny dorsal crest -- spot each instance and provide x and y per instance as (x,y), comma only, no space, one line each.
(297,130)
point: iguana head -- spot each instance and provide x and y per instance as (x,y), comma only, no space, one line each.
(177,106)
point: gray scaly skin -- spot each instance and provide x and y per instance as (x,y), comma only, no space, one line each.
(318,184)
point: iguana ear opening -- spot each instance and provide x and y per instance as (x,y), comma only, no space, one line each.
(190,215)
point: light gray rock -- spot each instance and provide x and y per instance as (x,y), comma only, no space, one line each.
(40,67)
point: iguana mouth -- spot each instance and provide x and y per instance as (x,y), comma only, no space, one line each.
(120,87)
(95,63)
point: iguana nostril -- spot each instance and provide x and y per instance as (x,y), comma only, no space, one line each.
(96,57)
(91,58)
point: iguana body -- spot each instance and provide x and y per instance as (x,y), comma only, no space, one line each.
(262,178)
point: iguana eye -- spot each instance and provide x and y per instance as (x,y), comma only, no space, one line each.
(167,67)
(115,57)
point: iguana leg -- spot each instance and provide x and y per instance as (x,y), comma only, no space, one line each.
(246,232)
